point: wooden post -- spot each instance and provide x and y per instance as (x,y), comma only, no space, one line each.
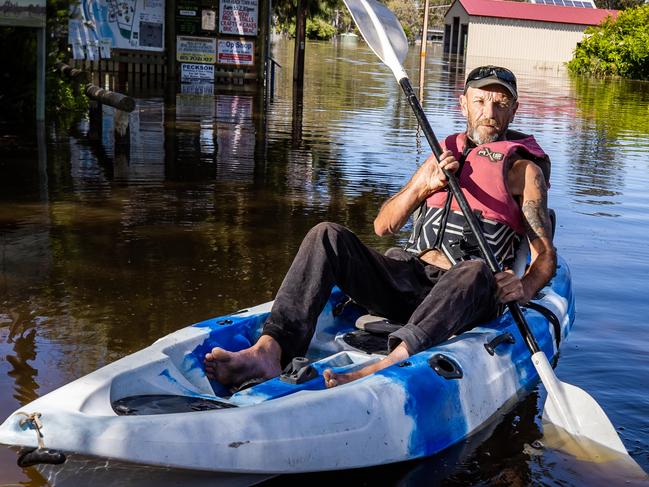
(117,100)
(422,53)
(263,40)
(40,74)
(300,42)
(170,40)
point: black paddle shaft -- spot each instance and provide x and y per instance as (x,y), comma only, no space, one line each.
(514,309)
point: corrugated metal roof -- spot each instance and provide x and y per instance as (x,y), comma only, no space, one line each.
(541,13)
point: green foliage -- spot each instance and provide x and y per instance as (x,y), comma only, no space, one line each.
(284,12)
(410,16)
(618,48)
(618,4)
(318,28)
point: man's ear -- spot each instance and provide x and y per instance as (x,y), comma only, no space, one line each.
(463,105)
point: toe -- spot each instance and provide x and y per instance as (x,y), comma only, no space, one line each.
(329,378)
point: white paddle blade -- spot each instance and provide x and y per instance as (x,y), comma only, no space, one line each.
(574,410)
(382,31)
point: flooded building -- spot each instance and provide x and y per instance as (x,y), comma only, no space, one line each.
(539,36)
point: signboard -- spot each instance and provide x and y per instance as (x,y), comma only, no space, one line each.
(195,50)
(208,21)
(196,72)
(237,52)
(188,21)
(123,24)
(196,17)
(22,13)
(238,17)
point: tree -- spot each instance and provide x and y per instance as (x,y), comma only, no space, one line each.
(617,47)
(618,4)
(321,15)
(410,15)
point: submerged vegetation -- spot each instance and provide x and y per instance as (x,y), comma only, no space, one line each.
(618,47)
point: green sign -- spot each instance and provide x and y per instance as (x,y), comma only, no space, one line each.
(196,18)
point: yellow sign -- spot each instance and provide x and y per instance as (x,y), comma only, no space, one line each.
(195,50)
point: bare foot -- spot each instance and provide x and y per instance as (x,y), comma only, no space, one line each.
(262,360)
(397,355)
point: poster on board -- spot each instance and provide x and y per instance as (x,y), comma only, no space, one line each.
(125,24)
(237,52)
(195,49)
(238,17)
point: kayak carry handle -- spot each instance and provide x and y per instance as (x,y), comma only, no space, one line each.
(38,456)
(491,345)
(35,456)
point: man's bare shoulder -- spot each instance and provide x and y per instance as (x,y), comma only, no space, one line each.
(522,172)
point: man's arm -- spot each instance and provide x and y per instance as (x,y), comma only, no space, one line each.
(428,179)
(527,181)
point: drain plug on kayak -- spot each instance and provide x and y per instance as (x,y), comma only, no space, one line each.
(445,366)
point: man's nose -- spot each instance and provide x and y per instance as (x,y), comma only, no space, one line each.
(488,110)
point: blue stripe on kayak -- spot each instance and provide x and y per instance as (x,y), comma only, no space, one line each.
(232,333)
(438,424)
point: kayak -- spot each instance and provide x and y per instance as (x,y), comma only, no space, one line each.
(157,408)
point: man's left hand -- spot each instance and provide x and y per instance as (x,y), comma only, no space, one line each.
(509,287)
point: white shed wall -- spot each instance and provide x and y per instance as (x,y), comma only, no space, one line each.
(548,42)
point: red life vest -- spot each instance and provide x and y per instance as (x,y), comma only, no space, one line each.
(483,179)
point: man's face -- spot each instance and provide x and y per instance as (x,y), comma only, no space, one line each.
(489,111)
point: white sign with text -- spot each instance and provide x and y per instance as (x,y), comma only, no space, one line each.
(238,17)
(237,52)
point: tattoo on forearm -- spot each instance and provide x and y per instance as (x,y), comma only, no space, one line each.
(535,212)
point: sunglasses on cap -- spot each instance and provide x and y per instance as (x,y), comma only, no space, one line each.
(502,76)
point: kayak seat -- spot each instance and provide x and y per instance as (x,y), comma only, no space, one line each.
(371,335)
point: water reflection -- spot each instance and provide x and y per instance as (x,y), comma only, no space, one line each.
(199,211)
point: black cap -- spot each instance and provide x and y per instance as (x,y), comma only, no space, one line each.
(492,75)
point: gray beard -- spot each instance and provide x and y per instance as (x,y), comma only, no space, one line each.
(473,134)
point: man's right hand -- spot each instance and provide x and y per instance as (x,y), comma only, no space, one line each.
(428,179)
(430,176)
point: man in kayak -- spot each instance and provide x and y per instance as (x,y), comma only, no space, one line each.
(439,285)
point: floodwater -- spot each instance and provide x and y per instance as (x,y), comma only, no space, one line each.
(105,248)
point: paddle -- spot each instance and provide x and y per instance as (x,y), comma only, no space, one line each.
(568,407)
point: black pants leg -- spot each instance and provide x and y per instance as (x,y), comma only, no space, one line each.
(329,255)
(434,304)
